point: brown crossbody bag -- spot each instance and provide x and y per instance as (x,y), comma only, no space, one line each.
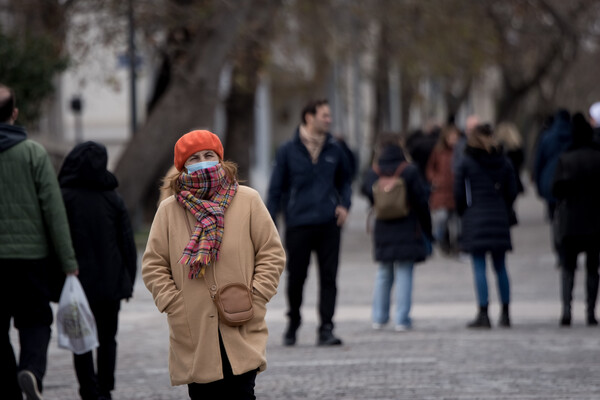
(233,300)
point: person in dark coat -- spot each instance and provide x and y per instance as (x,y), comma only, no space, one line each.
(420,145)
(106,253)
(485,188)
(311,185)
(553,143)
(398,243)
(576,188)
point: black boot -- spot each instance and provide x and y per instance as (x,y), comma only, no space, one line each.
(592,296)
(289,337)
(326,337)
(568,281)
(504,317)
(591,310)
(482,320)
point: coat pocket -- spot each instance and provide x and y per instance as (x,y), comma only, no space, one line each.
(179,329)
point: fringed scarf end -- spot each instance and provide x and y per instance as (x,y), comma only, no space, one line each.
(185,259)
(198,266)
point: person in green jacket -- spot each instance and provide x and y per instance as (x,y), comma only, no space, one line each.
(33,226)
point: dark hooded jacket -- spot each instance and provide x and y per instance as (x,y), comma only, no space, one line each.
(555,141)
(100,226)
(485,188)
(401,239)
(577,186)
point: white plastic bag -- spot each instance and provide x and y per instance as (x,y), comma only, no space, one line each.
(75,321)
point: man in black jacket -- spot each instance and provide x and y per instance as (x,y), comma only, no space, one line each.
(576,188)
(311,183)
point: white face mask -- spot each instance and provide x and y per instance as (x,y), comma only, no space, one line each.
(201,165)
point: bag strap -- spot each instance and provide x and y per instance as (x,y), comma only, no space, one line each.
(209,278)
(398,171)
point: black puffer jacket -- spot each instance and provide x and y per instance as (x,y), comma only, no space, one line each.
(401,239)
(485,188)
(99,223)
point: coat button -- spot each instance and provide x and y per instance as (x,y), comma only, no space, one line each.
(213,287)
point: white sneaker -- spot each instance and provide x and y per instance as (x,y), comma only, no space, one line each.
(29,385)
(377,326)
(401,328)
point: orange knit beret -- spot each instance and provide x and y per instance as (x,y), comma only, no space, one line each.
(193,142)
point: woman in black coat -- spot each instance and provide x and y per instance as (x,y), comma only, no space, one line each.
(578,214)
(106,254)
(485,188)
(398,243)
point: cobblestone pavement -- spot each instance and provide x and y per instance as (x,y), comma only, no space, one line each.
(438,359)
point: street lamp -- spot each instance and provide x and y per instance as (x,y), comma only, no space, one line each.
(77,108)
(132,67)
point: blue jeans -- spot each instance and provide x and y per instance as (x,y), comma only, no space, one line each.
(481,280)
(384,280)
(439,222)
(445,228)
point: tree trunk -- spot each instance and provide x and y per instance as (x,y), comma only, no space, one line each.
(553,52)
(382,87)
(250,57)
(188,103)
(455,98)
(240,128)
(407,93)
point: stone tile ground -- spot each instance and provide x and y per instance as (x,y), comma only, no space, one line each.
(438,359)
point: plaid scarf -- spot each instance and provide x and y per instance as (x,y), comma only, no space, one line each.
(206,194)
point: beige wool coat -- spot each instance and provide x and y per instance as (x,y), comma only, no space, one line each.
(251,252)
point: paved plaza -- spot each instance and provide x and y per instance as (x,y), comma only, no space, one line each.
(438,359)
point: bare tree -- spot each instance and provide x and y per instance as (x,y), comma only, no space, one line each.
(190,99)
(537,42)
(443,41)
(250,57)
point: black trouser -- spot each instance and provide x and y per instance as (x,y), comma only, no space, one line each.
(300,243)
(93,384)
(239,387)
(554,234)
(571,249)
(29,307)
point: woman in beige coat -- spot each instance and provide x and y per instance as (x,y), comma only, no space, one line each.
(211,225)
